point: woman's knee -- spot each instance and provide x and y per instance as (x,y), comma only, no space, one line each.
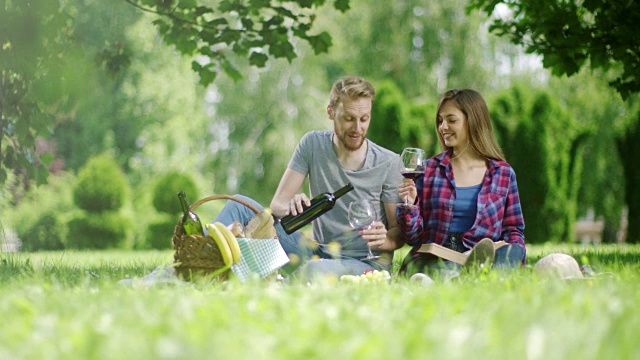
(509,256)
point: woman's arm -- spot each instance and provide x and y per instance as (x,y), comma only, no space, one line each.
(513,221)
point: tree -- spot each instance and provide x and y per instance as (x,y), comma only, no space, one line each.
(629,147)
(543,143)
(22,118)
(100,191)
(426,47)
(253,30)
(571,34)
(48,56)
(59,86)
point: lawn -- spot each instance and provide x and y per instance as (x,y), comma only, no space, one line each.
(69,305)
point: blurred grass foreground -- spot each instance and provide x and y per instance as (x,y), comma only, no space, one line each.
(69,305)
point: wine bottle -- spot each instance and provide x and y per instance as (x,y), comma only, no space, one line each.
(190,221)
(319,205)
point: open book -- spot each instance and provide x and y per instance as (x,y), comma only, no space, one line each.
(452,255)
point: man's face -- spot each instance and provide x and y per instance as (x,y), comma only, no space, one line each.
(351,121)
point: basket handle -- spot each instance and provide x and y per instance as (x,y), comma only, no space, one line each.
(217,197)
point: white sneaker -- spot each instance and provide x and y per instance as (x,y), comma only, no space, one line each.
(482,254)
(422,279)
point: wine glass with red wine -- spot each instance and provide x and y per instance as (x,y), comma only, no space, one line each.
(412,166)
(362,214)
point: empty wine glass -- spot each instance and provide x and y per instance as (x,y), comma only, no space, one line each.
(362,214)
(412,167)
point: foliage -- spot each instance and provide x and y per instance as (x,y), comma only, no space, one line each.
(254,30)
(597,108)
(543,144)
(425,47)
(21,118)
(41,216)
(48,233)
(419,128)
(101,185)
(57,108)
(102,230)
(572,34)
(159,234)
(165,199)
(388,113)
(397,123)
(629,147)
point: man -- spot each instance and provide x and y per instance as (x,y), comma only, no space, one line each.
(331,159)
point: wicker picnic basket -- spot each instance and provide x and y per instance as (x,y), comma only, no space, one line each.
(196,255)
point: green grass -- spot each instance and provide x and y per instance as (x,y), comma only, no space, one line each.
(69,305)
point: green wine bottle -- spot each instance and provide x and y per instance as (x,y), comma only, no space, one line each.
(190,221)
(319,205)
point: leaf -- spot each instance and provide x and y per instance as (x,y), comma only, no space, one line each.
(247,24)
(283,49)
(187,4)
(183,39)
(320,43)
(285,12)
(275,20)
(342,5)
(207,76)
(201,10)
(46,159)
(258,59)
(163,27)
(230,70)
(217,22)
(41,175)
(195,66)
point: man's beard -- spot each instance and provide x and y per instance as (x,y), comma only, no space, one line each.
(343,139)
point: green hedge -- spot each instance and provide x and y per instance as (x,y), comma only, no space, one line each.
(543,144)
(165,192)
(101,185)
(160,234)
(98,231)
(47,233)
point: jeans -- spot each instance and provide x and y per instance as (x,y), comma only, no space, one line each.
(307,262)
(506,257)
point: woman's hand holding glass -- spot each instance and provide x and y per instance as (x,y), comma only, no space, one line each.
(407,191)
(412,169)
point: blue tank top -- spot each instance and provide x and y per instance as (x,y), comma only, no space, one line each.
(465,207)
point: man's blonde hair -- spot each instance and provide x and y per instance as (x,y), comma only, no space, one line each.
(350,87)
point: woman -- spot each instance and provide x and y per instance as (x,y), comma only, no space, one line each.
(468,192)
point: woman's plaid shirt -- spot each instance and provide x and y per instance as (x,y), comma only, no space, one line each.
(499,215)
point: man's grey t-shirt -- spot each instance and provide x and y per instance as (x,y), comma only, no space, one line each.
(377,180)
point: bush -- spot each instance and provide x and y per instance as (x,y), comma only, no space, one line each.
(165,193)
(46,234)
(98,231)
(160,234)
(101,185)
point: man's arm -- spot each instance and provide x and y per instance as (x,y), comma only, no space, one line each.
(380,238)
(394,239)
(285,197)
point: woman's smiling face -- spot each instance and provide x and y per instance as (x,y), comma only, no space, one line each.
(452,125)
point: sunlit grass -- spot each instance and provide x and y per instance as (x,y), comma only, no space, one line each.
(70,306)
